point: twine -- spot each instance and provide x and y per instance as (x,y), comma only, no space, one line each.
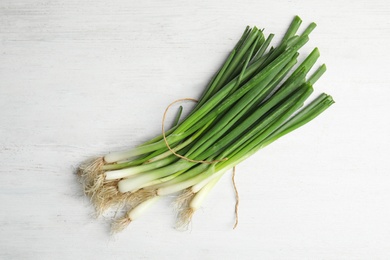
(201,161)
(237,198)
(166,141)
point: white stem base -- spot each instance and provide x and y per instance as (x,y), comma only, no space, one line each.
(137,211)
(200,196)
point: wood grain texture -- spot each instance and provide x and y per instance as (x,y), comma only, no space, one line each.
(83,78)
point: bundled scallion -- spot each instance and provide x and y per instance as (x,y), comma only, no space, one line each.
(256,97)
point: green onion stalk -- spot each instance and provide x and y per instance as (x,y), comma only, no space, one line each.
(257,96)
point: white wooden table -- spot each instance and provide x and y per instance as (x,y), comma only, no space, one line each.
(83,78)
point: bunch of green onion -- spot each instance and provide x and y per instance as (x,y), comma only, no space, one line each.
(256,97)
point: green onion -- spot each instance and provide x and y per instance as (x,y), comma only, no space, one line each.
(256,97)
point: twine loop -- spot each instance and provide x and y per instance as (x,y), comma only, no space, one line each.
(166,141)
(199,161)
